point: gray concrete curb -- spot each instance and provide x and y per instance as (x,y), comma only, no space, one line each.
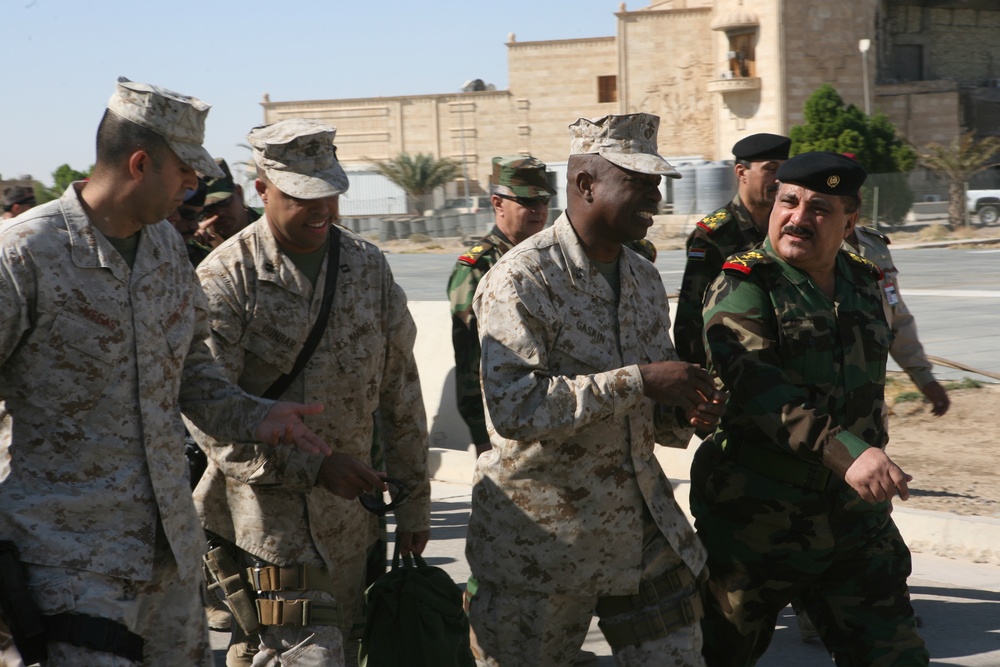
(943,244)
(970,538)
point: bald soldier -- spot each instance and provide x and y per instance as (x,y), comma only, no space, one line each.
(792,493)
(571,512)
(739,225)
(520,194)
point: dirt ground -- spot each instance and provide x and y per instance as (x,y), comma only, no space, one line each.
(951,458)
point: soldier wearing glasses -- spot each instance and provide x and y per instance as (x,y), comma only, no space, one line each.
(520,200)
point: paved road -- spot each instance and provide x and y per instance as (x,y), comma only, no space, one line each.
(953,293)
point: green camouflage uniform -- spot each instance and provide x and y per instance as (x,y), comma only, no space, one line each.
(767,490)
(717,236)
(465,277)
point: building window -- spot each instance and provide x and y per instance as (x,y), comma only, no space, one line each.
(741,56)
(607,89)
(907,62)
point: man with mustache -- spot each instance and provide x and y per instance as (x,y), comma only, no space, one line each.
(792,493)
(739,225)
(288,514)
(572,515)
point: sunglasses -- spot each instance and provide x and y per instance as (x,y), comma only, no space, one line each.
(527,202)
(189,214)
(217,205)
(374,503)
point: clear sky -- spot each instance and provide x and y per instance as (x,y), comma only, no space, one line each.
(61,59)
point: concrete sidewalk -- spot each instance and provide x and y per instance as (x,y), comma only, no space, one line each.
(958,600)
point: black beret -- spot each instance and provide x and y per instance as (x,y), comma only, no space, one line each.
(763,146)
(823,171)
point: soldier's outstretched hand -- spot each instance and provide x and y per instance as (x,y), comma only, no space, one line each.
(706,415)
(876,478)
(283,425)
(348,477)
(677,383)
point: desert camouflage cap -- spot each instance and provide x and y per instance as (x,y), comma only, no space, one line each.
(222,188)
(627,140)
(299,157)
(523,174)
(179,119)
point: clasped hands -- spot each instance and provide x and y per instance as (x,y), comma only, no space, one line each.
(685,386)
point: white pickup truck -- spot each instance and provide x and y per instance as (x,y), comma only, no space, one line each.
(985,204)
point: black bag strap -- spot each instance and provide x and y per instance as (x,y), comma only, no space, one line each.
(279,386)
(95,633)
(409,560)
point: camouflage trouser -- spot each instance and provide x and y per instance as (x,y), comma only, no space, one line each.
(519,628)
(306,646)
(771,542)
(167,612)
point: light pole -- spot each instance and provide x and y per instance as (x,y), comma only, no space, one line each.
(863,46)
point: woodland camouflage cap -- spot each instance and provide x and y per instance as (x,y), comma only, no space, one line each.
(523,174)
(222,188)
(628,141)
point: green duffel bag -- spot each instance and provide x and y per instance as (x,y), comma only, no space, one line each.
(414,618)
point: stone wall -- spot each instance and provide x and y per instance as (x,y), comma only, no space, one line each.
(957,43)
(670,81)
(923,112)
(821,46)
(552,84)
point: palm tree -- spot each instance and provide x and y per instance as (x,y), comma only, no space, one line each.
(418,174)
(956,163)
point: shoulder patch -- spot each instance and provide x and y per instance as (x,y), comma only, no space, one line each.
(866,265)
(710,223)
(744,262)
(874,232)
(473,254)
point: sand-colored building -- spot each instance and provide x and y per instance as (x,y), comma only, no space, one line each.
(713,70)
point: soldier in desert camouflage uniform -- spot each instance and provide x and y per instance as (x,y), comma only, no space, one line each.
(791,495)
(906,349)
(739,225)
(520,201)
(102,344)
(570,510)
(265,287)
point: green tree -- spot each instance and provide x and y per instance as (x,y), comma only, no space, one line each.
(62,177)
(833,126)
(418,175)
(956,163)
